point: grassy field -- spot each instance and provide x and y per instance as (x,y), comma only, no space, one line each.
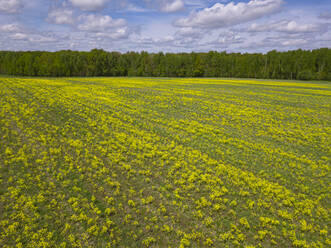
(151,162)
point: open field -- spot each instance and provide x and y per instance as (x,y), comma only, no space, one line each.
(151,162)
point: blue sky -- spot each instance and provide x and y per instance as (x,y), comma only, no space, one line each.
(165,25)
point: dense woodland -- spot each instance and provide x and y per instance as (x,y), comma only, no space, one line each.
(297,64)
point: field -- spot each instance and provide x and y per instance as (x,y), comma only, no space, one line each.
(161,162)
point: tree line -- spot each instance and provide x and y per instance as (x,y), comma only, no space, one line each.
(296,64)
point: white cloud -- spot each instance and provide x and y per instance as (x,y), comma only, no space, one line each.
(167,40)
(10,6)
(286,27)
(99,23)
(190,32)
(39,38)
(119,33)
(19,36)
(172,6)
(224,15)
(131,7)
(10,28)
(283,42)
(228,37)
(89,5)
(102,27)
(296,42)
(61,16)
(167,6)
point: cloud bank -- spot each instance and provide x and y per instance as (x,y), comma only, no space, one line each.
(164,25)
(224,15)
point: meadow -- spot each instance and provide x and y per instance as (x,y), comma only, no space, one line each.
(164,162)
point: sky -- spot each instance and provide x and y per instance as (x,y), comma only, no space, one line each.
(165,25)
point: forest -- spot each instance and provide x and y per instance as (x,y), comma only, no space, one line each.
(296,64)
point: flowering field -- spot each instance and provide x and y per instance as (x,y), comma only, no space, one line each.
(142,162)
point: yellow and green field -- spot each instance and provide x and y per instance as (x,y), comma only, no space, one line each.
(161,162)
